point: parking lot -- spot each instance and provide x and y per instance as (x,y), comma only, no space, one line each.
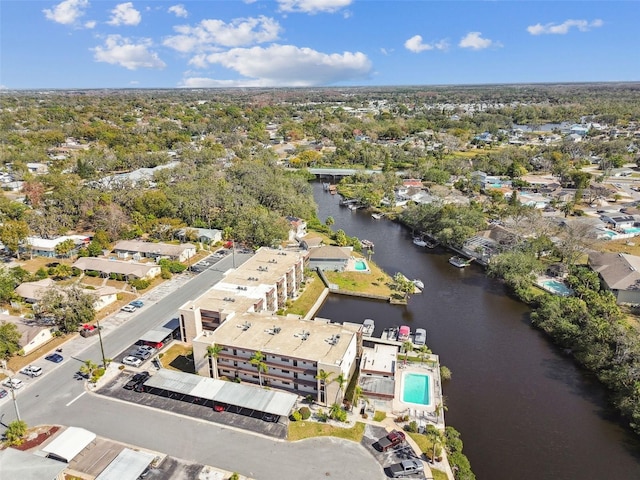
(394,455)
(183,405)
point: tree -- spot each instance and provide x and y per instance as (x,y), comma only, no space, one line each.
(404,285)
(88,368)
(13,233)
(341,380)
(70,307)
(65,247)
(62,270)
(440,408)
(329,221)
(325,379)
(212,353)
(15,432)
(258,361)
(423,351)
(436,438)
(9,339)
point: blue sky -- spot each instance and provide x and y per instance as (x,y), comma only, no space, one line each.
(306,43)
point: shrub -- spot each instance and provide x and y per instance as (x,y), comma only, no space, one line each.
(15,432)
(379,416)
(322,416)
(445,373)
(234,476)
(365,416)
(165,274)
(92,273)
(412,427)
(402,418)
(305,413)
(309,398)
(296,417)
(139,283)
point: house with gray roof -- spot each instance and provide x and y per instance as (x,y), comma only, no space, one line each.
(32,334)
(620,273)
(139,249)
(329,258)
(106,267)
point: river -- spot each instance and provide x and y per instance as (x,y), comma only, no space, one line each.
(525,411)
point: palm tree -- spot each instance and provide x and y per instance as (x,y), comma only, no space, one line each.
(258,361)
(423,351)
(436,438)
(88,367)
(212,352)
(440,408)
(407,347)
(324,378)
(341,380)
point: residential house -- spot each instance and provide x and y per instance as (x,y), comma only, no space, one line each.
(38,168)
(297,228)
(129,270)
(32,292)
(138,249)
(32,334)
(330,258)
(45,247)
(620,273)
(619,222)
(203,235)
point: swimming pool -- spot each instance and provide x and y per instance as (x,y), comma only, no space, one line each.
(632,230)
(361,265)
(415,388)
(557,287)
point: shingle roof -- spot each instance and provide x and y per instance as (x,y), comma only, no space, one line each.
(618,270)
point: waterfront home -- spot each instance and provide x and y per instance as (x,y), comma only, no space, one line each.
(619,222)
(297,228)
(620,273)
(330,258)
(107,267)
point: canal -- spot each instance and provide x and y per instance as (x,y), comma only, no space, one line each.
(525,411)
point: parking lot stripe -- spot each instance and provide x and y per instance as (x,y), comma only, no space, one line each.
(75,399)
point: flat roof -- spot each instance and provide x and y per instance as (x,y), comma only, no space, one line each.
(380,358)
(315,340)
(128,465)
(241,395)
(69,443)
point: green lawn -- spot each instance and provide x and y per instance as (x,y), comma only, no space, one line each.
(312,290)
(179,357)
(306,429)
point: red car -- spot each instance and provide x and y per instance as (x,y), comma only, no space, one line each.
(218,408)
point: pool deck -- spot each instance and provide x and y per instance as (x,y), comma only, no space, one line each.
(351,265)
(543,278)
(423,414)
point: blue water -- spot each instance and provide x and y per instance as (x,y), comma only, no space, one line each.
(361,265)
(416,389)
(632,230)
(557,287)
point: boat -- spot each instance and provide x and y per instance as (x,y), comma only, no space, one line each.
(460,262)
(325,186)
(431,244)
(367,243)
(390,333)
(420,337)
(418,283)
(368,326)
(419,242)
(377,216)
(404,332)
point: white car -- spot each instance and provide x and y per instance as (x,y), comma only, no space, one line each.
(14,383)
(32,370)
(128,308)
(132,361)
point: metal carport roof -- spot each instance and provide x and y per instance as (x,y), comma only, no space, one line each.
(69,443)
(27,466)
(241,395)
(128,465)
(158,334)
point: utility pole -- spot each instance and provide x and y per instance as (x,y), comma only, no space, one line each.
(233,252)
(15,401)
(104,359)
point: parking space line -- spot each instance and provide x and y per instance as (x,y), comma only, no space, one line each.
(75,399)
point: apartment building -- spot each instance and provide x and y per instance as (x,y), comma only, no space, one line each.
(238,316)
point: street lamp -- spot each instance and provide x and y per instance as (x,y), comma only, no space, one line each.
(104,360)
(15,401)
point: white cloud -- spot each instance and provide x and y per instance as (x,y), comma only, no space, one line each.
(178,11)
(66,12)
(118,50)
(415,44)
(209,34)
(284,65)
(474,41)
(313,6)
(563,28)
(90,24)
(125,14)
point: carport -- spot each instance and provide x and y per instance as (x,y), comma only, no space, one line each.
(69,443)
(163,334)
(245,399)
(128,465)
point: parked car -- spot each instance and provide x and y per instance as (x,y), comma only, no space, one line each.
(270,417)
(147,348)
(132,361)
(405,468)
(137,303)
(14,383)
(137,379)
(3,393)
(54,357)
(218,408)
(141,354)
(32,370)
(392,439)
(88,330)
(128,308)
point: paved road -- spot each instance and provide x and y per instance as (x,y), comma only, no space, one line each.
(57,398)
